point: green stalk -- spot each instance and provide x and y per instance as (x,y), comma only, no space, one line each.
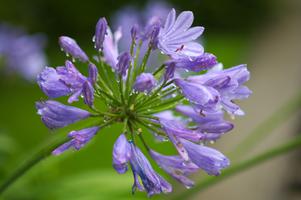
(32,162)
(267,126)
(158,70)
(37,158)
(145,59)
(240,167)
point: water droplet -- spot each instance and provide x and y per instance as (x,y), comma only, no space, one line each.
(187,187)
(67,54)
(150,125)
(93,38)
(211,141)
(174,95)
(62,49)
(73,59)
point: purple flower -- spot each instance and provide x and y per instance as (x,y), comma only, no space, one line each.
(228,83)
(110,47)
(145,82)
(123,64)
(200,95)
(207,122)
(100,32)
(134,32)
(176,167)
(57,115)
(176,38)
(152,182)
(93,73)
(78,140)
(196,64)
(27,62)
(178,129)
(206,158)
(63,81)
(88,93)
(154,32)
(121,154)
(170,71)
(49,82)
(70,46)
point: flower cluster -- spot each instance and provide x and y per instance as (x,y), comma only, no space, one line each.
(143,99)
(21,53)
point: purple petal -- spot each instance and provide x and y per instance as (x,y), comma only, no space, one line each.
(121,154)
(70,46)
(145,82)
(206,158)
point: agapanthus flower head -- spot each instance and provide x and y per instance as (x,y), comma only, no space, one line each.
(145,99)
(22,53)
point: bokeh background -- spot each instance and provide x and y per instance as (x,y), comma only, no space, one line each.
(265,34)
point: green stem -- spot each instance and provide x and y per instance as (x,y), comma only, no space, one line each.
(242,166)
(44,153)
(32,162)
(158,70)
(267,126)
(145,59)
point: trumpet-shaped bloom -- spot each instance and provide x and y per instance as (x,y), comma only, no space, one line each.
(229,84)
(57,115)
(78,140)
(206,158)
(176,167)
(176,38)
(121,154)
(152,182)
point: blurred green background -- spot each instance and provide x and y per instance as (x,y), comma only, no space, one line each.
(231,28)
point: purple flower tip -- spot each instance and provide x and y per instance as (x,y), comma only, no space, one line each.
(123,64)
(145,82)
(88,93)
(71,47)
(93,73)
(100,32)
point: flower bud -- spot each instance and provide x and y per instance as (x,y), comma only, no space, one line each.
(123,64)
(88,93)
(70,46)
(145,82)
(93,73)
(100,32)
